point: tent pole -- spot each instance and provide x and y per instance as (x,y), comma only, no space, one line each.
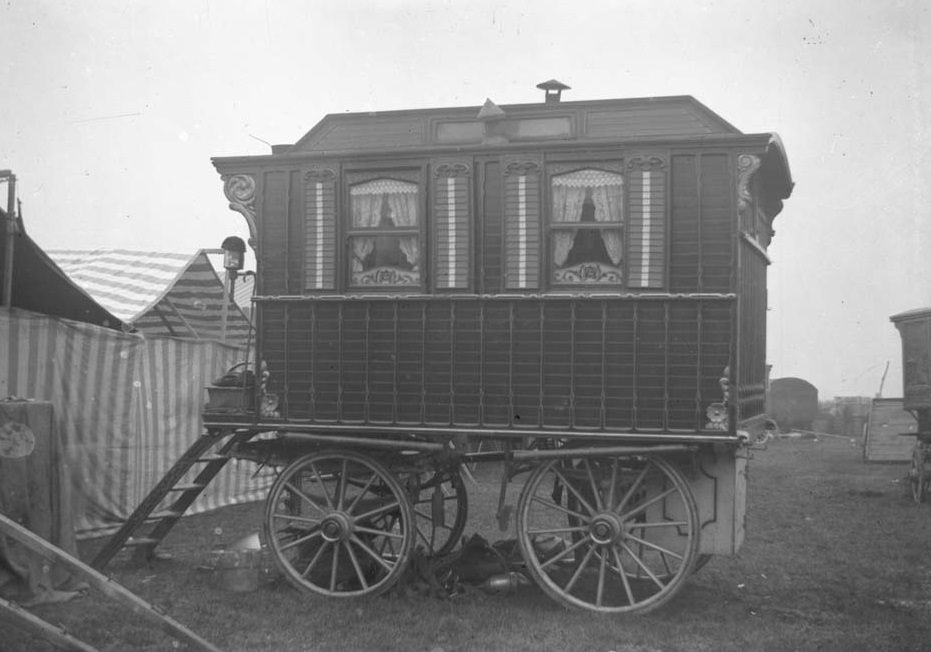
(10,232)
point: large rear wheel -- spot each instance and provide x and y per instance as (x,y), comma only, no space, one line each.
(609,534)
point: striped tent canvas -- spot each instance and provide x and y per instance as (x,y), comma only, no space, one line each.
(179,295)
(126,408)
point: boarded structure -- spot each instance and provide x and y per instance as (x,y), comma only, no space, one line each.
(156,294)
(886,438)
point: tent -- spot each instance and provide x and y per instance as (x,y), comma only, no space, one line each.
(90,332)
(179,295)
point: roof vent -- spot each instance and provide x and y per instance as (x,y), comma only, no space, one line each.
(554,89)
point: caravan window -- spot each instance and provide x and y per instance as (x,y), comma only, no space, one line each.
(385,234)
(587,228)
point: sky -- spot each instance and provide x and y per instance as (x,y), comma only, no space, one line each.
(111,110)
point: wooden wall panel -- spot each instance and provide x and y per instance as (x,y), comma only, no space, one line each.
(319,235)
(522,223)
(646,222)
(274,232)
(565,363)
(452,223)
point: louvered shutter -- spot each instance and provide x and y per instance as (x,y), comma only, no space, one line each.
(522,211)
(452,226)
(320,233)
(646,222)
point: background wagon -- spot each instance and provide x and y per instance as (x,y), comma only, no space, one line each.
(915,328)
(582,283)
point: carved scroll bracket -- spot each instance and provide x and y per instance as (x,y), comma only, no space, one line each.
(320,174)
(452,170)
(240,191)
(522,168)
(747,165)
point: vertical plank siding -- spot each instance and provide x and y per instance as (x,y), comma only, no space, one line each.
(499,362)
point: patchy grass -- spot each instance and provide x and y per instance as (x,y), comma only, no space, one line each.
(836,558)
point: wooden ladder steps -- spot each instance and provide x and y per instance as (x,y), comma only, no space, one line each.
(176,481)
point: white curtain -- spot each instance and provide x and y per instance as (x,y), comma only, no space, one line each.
(404,214)
(366,213)
(609,203)
(567,207)
(367,201)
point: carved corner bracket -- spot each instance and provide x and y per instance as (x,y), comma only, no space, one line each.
(646,163)
(240,191)
(522,168)
(747,165)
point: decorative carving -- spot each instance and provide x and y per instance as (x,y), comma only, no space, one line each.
(556,169)
(645,163)
(386,276)
(588,273)
(717,412)
(747,164)
(452,170)
(240,191)
(320,174)
(522,168)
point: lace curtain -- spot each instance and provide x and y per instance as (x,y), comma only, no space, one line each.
(367,202)
(569,191)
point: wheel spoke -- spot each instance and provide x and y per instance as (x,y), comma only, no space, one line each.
(599,594)
(315,559)
(578,571)
(567,551)
(295,517)
(355,564)
(574,491)
(310,501)
(558,530)
(620,571)
(640,563)
(609,499)
(334,568)
(297,542)
(655,524)
(371,553)
(341,489)
(376,511)
(565,510)
(326,494)
(378,533)
(591,480)
(648,544)
(652,501)
(362,492)
(633,489)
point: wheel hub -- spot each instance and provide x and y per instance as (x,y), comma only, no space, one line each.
(606,528)
(336,527)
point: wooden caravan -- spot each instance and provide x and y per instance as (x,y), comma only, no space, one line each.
(582,282)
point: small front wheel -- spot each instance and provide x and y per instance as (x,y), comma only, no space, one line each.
(338,523)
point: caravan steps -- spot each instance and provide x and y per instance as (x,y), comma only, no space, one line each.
(211,453)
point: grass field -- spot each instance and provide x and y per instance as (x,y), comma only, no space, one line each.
(837,557)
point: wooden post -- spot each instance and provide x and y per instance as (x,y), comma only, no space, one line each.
(10,232)
(102,583)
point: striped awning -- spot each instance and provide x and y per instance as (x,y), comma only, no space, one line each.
(172,294)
